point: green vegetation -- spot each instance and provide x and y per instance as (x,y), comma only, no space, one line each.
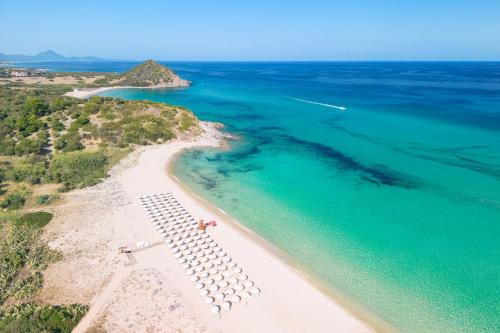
(78,169)
(33,318)
(35,219)
(149,73)
(47,138)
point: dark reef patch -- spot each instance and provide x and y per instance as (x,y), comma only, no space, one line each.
(375,174)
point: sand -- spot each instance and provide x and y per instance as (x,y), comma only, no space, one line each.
(147,291)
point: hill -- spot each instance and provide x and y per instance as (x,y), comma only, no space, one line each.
(149,74)
(48,55)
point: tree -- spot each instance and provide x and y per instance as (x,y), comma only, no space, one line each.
(36,106)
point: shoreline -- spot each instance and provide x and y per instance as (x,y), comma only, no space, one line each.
(352,308)
(84,93)
(148,289)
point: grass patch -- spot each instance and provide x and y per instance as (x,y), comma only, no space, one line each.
(35,219)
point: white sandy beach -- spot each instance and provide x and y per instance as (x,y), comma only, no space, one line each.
(148,291)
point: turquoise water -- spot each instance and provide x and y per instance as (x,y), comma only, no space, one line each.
(393,202)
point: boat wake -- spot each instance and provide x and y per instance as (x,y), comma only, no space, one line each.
(341,108)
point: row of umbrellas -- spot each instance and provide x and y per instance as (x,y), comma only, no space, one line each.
(221,282)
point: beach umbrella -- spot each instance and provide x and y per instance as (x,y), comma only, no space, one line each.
(189,272)
(177,255)
(223,284)
(212,256)
(203,259)
(214,288)
(182,260)
(199,285)
(226,274)
(188,252)
(217,262)
(198,268)
(194,278)
(222,253)
(203,275)
(238,287)
(213,271)
(243,277)
(183,247)
(245,294)
(223,268)
(204,292)
(226,306)
(195,263)
(237,270)
(218,277)
(235,299)
(175,250)
(186,266)
(255,291)
(230,291)
(208,251)
(248,284)
(233,281)
(228,259)
(219,296)
(172,245)
(209,300)
(215,309)
(168,241)
(209,282)
(208,265)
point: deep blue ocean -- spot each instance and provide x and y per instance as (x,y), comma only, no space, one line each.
(381,179)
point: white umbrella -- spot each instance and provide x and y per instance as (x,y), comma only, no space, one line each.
(212,256)
(228,259)
(189,272)
(245,294)
(194,278)
(215,309)
(217,262)
(233,281)
(238,287)
(189,257)
(226,274)
(186,266)
(177,255)
(219,296)
(237,270)
(226,306)
(223,284)
(230,291)
(204,292)
(209,300)
(214,288)
(199,285)
(203,259)
(235,299)
(182,260)
(198,268)
(195,263)
(243,277)
(248,284)
(213,271)
(209,282)
(208,265)
(218,277)
(203,275)
(223,268)
(255,291)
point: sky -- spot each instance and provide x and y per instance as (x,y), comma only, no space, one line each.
(254,30)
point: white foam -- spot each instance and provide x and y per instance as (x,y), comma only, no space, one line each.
(341,108)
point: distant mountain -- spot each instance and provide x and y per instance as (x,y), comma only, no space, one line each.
(149,74)
(48,55)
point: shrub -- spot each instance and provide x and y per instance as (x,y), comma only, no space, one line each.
(13,201)
(29,317)
(35,219)
(28,286)
(78,168)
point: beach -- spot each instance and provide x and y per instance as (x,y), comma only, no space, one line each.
(147,290)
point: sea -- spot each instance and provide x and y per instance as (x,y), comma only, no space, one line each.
(379,179)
